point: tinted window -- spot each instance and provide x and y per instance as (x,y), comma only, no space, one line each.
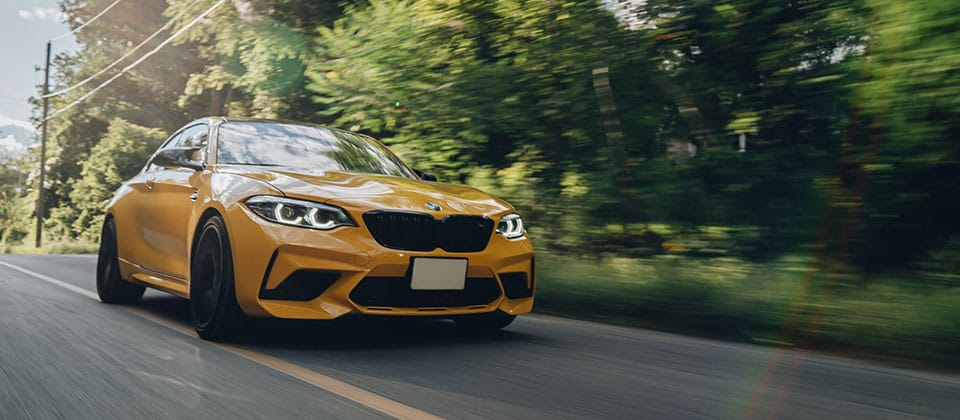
(195,136)
(261,143)
(170,142)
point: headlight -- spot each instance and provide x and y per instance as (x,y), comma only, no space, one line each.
(298,212)
(511,226)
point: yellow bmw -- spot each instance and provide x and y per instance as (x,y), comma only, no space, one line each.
(251,218)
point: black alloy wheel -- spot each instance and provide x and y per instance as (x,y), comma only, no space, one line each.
(214,310)
(110,287)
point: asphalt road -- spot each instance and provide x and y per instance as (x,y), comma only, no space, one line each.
(65,355)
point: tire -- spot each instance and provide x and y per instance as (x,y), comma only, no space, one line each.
(214,310)
(110,286)
(488,322)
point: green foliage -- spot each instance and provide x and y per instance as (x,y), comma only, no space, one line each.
(256,59)
(789,301)
(453,84)
(908,159)
(119,155)
(15,209)
(593,130)
(498,94)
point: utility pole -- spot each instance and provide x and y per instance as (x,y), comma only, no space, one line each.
(43,146)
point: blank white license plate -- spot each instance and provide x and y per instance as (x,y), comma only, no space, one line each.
(438,273)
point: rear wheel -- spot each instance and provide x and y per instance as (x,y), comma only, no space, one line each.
(110,287)
(214,309)
(487,322)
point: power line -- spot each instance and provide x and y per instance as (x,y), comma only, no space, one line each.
(127,54)
(138,61)
(78,28)
(43,123)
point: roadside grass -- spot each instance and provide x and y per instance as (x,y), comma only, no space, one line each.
(786,302)
(60,247)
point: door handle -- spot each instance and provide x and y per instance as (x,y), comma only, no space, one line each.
(150,183)
(196,192)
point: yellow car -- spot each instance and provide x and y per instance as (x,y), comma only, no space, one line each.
(268,219)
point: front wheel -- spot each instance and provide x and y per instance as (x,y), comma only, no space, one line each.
(110,286)
(487,322)
(214,309)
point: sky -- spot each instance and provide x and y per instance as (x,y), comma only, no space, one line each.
(25,27)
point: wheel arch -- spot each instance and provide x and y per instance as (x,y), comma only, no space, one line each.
(109,216)
(195,236)
(207,214)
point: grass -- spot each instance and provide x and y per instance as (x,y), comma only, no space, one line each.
(788,302)
(62,247)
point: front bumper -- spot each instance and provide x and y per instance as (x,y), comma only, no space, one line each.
(349,272)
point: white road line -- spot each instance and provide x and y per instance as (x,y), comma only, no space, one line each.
(53,281)
(353,393)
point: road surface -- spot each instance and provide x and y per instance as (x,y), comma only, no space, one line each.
(65,355)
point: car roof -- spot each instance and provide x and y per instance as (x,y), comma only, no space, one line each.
(223,119)
(215,119)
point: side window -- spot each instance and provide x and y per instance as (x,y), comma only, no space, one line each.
(171,142)
(193,136)
(196,136)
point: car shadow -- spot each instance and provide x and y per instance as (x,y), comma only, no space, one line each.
(345,333)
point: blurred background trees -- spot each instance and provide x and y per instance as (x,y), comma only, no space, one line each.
(745,128)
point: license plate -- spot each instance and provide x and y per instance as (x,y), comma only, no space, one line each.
(438,273)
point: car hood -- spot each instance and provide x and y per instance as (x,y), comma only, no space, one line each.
(360,191)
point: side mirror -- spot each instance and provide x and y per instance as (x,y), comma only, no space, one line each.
(178,157)
(426,176)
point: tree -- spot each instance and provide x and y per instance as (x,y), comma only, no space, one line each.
(905,169)
(499,94)
(118,156)
(255,56)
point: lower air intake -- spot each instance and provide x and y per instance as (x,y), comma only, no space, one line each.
(515,285)
(395,292)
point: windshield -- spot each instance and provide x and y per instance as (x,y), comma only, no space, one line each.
(299,146)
